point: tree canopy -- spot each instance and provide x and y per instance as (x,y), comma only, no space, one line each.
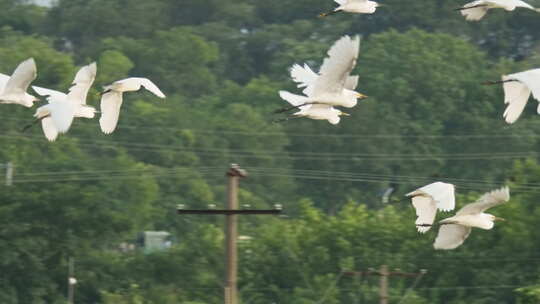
(221,64)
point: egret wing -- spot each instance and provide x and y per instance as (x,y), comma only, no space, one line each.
(511,4)
(531,79)
(486,201)
(352,82)
(85,111)
(110,111)
(451,236)
(293,99)
(442,194)
(21,78)
(426,209)
(82,83)
(52,95)
(49,129)
(303,75)
(3,81)
(147,84)
(516,95)
(337,66)
(475,10)
(321,107)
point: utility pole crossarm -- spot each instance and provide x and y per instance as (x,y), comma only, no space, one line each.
(231,234)
(229,212)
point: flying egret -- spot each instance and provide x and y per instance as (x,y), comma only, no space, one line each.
(111,99)
(306,78)
(354,6)
(476,10)
(428,199)
(57,116)
(454,230)
(517,90)
(13,89)
(313,111)
(330,86)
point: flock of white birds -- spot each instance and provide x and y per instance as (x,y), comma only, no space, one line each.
(331,87)
(57,116)
(454,230)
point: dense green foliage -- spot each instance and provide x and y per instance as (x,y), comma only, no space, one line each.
(221,63)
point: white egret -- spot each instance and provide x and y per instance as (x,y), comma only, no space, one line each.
(306,77)
(57,116)
(454,230)
(313,111)
(354,6)
(428,199)
(111,99)
(517,90)
(13,89)
(330,86)
(476,10)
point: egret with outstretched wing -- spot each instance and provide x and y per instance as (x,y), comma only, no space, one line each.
(13,88)
(476,10)
(517,90)
(111,99)
(354,6)
(430,198)
(57,116)
(454,230)
(333,85)
(306,78)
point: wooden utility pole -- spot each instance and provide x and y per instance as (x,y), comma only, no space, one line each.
(384,274)
(234,174)
(383,289)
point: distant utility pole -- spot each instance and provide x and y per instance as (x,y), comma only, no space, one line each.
(234,174)
(384,274)
(9,174)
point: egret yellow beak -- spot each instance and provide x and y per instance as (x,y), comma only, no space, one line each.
(499,219)
(345,114)
(361,96)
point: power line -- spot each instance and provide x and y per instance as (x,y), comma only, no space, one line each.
(321,156)
(53,176)
(146,128)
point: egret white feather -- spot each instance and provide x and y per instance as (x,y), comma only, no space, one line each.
(430,198)
(57,116)
(476,10)
(111,100)
(517,90)
(454,230)
(13,91)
